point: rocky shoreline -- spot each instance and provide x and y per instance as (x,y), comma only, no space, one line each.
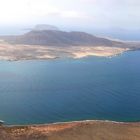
(78,130)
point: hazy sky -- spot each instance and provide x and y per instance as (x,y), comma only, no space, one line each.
(120,14)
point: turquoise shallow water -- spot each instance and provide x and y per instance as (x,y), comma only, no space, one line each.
(69,90)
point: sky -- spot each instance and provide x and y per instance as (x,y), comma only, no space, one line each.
(72,14)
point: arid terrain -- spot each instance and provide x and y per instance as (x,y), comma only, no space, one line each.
(51,44)
(86,130)
(14,52)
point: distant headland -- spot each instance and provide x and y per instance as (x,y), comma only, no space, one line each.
(48,42)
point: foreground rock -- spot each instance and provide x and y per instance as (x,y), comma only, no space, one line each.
(88,130)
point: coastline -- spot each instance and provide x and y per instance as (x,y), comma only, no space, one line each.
(75,130)
(10,52)
(68,122)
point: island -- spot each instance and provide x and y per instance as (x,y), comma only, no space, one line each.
(52,44)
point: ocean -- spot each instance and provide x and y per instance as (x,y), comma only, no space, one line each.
(92,88)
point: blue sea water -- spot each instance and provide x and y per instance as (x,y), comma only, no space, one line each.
(33,92)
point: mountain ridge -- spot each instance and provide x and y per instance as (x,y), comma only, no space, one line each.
(59,38)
